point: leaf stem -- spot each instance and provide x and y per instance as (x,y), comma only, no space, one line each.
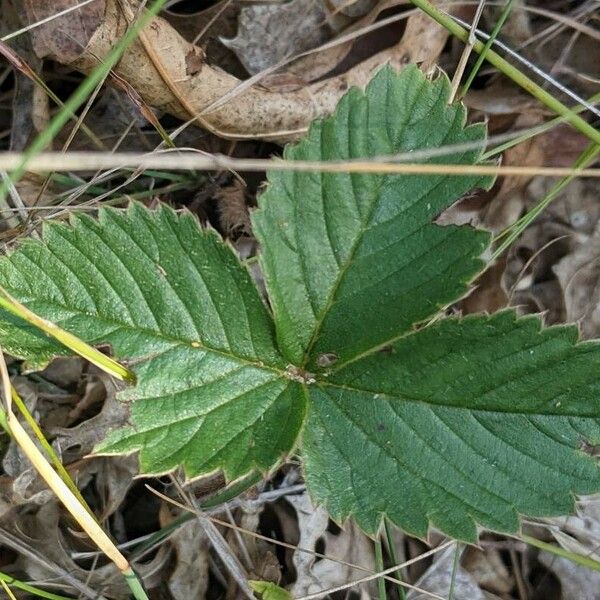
(511,71)
(584,561)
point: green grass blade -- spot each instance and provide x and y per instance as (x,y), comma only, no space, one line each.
(81,94)
(501,20)
(48,449)
(512,233)
(537,130)
(30,589)
(584,561)
(512,72)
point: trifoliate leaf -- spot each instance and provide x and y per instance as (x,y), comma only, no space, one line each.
(457,423)
(212,391)
(352,261)
(465,422)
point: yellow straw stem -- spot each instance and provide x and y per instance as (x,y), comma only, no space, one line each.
(69,340)
(65,495)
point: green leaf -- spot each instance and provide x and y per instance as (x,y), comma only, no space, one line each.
(268,590)
(459,423)
(212,389)
(465,422)
(352,261)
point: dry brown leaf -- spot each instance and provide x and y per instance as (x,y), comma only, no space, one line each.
(211,95)
(269,33)
(577,582)
(189,577)
(489,294)
(353,8)
(348,544)
(233,211)
(579,277)
(358,35)
(438,577)
(488,569)
(45,532)
(76,27)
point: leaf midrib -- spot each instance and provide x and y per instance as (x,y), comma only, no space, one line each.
(383,180)
(259,364)
(402,396)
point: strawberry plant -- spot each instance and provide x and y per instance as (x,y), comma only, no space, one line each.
(455,422)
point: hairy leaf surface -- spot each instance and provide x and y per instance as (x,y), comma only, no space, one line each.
(458,423)
(465,422)
(211,391)
(352,261)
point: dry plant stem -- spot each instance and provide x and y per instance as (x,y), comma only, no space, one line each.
(386,574)
(171,74)
(46,20)
(70,137)
(85,520)
(188,160)
(231,562)
(487,46)
(12,541)
(466,53)
(18,63)
(509,235)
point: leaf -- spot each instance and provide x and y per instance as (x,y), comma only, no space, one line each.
(458,423)
(352,261)
(212,391)
(269,590)
(465,422)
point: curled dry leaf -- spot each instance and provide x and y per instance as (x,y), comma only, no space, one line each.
(211,96)
(76,442)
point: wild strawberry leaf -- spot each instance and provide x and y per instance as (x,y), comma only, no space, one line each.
(352,261)
(465,422)
(212,391)
(458,423)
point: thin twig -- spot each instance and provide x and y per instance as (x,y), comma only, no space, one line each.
(187,160)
